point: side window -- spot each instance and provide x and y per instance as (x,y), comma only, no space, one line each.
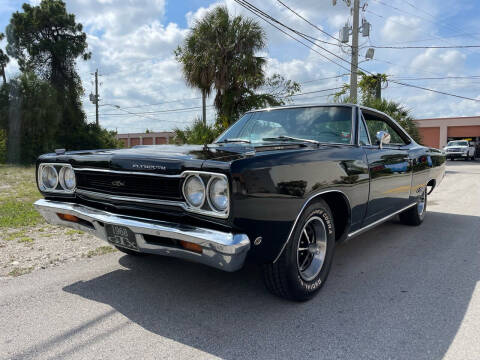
(362,133)
(374,125)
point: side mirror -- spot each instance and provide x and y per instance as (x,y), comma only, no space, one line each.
(383,137)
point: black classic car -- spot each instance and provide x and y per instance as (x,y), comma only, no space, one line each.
(279,188)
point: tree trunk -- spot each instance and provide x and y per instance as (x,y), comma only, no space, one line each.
(204,107)
(14,127)
(3,74)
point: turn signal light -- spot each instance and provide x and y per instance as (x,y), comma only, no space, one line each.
(191,246)
(68,217)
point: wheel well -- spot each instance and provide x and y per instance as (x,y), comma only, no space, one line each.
(340,211)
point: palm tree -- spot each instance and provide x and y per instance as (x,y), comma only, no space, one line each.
(198,70)
(220,52)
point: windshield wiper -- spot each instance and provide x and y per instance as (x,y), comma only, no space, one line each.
(290,138)
(234,141)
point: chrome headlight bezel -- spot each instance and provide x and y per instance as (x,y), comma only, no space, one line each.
(41,170)
(207,207)
(60,187)
(194,177)
(63,183)
(211,201)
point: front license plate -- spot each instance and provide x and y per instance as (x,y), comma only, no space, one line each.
(121,236)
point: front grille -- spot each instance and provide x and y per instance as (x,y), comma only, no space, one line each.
(144,186)
(454,150)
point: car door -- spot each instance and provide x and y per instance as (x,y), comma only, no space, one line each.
(389,166)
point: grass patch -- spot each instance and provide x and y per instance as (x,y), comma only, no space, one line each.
(25,240)
(73,232)
(102,250)
(14,235)
(18,192)
(20,271)
(14,213)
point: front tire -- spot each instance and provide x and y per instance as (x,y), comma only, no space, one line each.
(305,262)
(416,214)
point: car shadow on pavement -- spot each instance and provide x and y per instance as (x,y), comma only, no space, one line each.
(394,292)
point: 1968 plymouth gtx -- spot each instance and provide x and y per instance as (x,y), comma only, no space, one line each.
(279,188)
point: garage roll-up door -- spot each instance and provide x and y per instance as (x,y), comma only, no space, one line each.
(464,131)
(430,136)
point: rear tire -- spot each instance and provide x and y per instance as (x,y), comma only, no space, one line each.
(303,267)
(416,214)
(129,252)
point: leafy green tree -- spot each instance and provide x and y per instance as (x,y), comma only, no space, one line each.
(4,59)
(197,133)
(40,109)
(28,109)
(221,53)
(47,41)
(398,112)
(368,86)
(3,146)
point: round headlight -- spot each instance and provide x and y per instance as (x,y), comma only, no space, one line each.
(49,177)
(218,193)
(67,178)
(194,191)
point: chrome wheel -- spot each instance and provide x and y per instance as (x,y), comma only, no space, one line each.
(312,248)
(421,203)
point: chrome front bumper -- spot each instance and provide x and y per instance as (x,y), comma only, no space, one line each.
(222,250)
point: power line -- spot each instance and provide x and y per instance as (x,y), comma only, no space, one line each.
(159,111)
(316,91)
(325,78)
(439,78)
(366,71)
(434,91)
(426,47)
(262,15)
(309,22)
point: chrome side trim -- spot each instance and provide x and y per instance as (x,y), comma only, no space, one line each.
(222,250)
(378,222)
(300,213)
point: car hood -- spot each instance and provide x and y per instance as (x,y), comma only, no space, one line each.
(456,147)
(165,159)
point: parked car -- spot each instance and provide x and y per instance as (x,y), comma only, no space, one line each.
(460,149)
(281,187)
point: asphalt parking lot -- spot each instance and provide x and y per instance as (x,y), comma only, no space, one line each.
(396,292)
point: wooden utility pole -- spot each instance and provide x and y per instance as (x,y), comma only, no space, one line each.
(96,98)
(354,61)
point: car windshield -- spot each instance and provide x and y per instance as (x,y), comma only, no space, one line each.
(325,124)
(457,143)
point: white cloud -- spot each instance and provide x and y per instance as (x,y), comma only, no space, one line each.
(438,61)
(402,28)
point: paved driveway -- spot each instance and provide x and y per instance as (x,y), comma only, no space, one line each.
(397,292)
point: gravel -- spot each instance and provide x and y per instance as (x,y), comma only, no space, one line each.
(23,250)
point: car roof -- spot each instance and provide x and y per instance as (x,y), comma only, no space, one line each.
(302,106)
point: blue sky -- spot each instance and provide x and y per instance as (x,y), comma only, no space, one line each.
(132,43)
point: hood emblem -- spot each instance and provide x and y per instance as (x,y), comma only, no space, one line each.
(118,183)
(148,167)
